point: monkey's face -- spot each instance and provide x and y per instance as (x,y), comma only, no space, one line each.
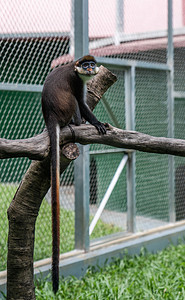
(86,68)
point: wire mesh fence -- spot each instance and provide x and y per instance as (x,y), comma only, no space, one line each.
(34,34)
(151,169)
(111,110)
(124,33)
(29,41)
(179,161)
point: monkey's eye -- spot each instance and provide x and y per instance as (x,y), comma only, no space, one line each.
(90,65)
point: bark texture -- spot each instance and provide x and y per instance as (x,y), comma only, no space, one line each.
(22,215)
(87,134)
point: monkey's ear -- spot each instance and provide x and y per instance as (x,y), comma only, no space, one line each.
(76,66)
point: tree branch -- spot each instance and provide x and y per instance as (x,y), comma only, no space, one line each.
(37,148)
(130,140)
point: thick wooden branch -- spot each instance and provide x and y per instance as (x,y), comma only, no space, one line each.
(130,140)
(37,147)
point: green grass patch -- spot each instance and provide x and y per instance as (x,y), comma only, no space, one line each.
(43,239)
(147,276)
(7,192)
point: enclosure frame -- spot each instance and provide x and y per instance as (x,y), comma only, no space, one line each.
(86,252)
(129,67)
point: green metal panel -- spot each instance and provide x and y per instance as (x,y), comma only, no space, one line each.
(151,169)
(28,60)
(180,161)
(20,117)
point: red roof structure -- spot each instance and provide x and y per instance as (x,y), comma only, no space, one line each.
(126,47)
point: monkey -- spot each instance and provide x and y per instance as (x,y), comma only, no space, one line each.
(63,102)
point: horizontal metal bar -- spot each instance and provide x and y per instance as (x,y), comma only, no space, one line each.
(124,63)
(110,62)
(30,35)
(134,37)
(127,38)
(180,95)
(75,263)
(101,42)
(108,193)
(18,87)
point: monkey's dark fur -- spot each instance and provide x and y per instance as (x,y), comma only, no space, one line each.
(62,102)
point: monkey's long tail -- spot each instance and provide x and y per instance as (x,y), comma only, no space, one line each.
(55,184)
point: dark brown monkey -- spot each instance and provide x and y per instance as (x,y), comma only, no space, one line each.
(63,101)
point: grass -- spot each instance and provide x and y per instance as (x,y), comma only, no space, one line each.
(43,237)
(146,277)
(7,192)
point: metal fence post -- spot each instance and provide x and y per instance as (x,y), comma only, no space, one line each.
(81,165)
(130,125)
(119,21)
(170,77)
(82,199)
(81,28)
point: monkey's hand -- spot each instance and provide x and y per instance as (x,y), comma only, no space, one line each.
(100,127)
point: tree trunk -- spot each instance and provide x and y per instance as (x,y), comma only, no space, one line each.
(22,215)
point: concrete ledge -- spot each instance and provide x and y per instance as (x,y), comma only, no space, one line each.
(76,262)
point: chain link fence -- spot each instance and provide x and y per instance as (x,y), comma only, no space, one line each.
(29,41)
(151,169)
(35,34)
(107,161)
